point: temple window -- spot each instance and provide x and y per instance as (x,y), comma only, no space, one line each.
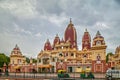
(66,47)
(57,60)
(84,55)
(72,54)
(79,67)
(66,54)
(61,54)
(98,43)
(53,59)
(98,57)
(13,62)
(19,61)
(88,67)
(46,61)
(61,60)
(39,60)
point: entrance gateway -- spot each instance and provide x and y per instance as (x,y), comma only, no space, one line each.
(73,68)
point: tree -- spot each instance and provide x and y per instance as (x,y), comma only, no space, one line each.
(8,60)
(4,59)
(110,53)
(34,60)
(27,60)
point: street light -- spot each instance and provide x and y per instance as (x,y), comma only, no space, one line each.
(24,67)
(74,68)
(34,69)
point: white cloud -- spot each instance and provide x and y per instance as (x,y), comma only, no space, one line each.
(38,34)
(58,20)
(21,30)
(55,19)
(21,9)
(101,25)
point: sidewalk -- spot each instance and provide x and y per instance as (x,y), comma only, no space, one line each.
(8,78)
(21,79)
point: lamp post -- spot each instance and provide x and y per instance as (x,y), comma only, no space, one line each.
(6,70)
(24,67)
(34,69)
(79,67)
(74,68)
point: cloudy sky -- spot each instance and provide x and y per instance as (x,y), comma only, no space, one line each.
(29,23)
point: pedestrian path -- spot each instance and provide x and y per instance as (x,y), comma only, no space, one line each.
(8,78)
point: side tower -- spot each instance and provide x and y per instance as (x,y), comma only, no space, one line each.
(47,45)
(98,53)
(56,41)
(71,35)
(86,40)
(114,59)
(16,56)
(16,60)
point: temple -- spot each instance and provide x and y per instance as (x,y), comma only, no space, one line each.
(63,54)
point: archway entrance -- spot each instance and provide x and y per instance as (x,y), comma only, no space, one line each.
(70,69)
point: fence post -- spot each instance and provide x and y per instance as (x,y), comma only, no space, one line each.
(15,74)
(24,74)
(34,74)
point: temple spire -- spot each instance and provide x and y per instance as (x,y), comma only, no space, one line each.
(86,30)
(56,35)
(70,34)
(47,40)
(16,46)
(98,33)
(86,40)
(70,20)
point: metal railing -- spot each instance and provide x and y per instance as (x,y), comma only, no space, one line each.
(49,75)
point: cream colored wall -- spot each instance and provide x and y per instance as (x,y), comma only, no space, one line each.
(78,69)
(101,52)
(15,59)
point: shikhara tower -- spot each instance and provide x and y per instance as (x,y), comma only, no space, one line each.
(71,35)
(86,40)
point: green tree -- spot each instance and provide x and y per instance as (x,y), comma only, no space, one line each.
(110,53)
(27,60)
(8,60)
(34,60)
(4,59)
